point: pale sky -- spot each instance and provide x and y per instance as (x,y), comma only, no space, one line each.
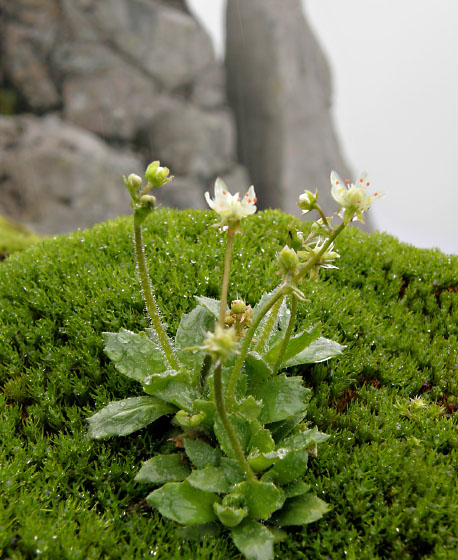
(395,75)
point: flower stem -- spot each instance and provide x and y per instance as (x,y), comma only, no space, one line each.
(313,260)
(268,326)
(227,268)
(148,296)
(227,424)
(277,294)
(288,333)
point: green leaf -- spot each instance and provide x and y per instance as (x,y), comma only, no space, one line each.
(256,369)
(260,461)
(261,498)
(253,540)
(121,418)
(301,510)
(163,468)
(242,429)
(280,430)
(173,387)
(183,503)
(206,406)
(291,465)
(282,397)
(192,332)
(296,488)
(211,479)
(229,515)
(232,470)
(261,438)
(295,345)
(200,453)
(210,304)
(250,408)
(303,437)
(134,355)
(280,324)
(319,350)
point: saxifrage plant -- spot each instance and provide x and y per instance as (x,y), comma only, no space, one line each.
(238,443)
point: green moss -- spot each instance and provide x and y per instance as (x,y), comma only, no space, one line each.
(389,470)
(14,237)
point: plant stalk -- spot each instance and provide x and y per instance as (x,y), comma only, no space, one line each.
(148,296)
(225,283)
(237,368)
(288,333)
(227,424)
(268,326)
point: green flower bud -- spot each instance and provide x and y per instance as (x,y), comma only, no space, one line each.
(238,306)
(221,344)
(156,175)
(134,181)
(288,260)
(148,201)
(307,201)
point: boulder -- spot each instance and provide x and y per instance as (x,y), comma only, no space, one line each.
(279,86)
(56,177)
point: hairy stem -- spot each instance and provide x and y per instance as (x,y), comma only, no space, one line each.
(288,333)
(148,296)
(268,326)
(237,369)
(227,424)
(227,268)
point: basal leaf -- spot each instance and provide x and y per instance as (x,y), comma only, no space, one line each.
(242,429)
(295,345)
(301,510)
(173,387)
(228,515)
(134,355)
(290,466)
(261,438)
(249,407)
(261,498)
(282,397)
(256,369)
(163,468)
(253,540)
(200,453)
(232,470)
(206,406)
(121,418)
(281,321)
(210,304)
(280,430)
(319,350)
(296,488)
(211,479)
(303,437)
(192,332)
(183,503)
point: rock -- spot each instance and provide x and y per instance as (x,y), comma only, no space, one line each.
(191,141)
(279,87)
(56,177)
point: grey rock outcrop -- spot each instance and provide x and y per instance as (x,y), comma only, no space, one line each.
(56,177)
(279,87)
(139,74)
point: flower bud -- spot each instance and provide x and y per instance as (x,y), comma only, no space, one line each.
(148,201)
(288,260)
(156,175)
(307,201)
(238,306)
(134,181)
(221,344)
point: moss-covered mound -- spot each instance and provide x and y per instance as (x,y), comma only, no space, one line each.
(389,400)
(14,237)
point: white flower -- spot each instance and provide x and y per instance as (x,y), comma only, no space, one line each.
(230,207)
(353,198)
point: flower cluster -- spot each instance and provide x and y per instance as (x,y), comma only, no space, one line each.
(231,208)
